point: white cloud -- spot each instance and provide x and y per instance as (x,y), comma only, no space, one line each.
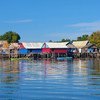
(85,27)
(19,21)
(75,30)
(86,24)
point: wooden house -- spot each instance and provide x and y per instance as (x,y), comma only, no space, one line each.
(55,49)
(91,48)
(3,45)
(71,50)
(4,51)
(31,48)
(13,49)
(80,45)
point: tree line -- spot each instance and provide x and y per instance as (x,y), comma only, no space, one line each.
(94,38)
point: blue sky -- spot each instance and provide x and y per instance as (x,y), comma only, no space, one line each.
(44,20)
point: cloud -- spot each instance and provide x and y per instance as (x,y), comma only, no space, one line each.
(85,27)
(75,30)
(19,21)
(86,24)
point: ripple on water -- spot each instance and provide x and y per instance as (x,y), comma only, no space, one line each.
(48,80)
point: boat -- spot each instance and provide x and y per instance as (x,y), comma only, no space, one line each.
(64,58)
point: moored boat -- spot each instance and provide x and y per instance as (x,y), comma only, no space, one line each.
(64,58)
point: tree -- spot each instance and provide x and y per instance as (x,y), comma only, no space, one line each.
(11,37)
(50,41)
(65,40)
(95,38)
(1,37)
(82,38)
(79,38)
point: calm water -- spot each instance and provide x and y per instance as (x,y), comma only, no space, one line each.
(50,80)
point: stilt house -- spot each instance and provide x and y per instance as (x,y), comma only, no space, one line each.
(33,48)
(55,49)
(80,46)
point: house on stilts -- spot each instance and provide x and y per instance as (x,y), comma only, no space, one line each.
(31,49)
(85,48)
(56,49)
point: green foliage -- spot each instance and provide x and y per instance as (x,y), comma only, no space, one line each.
(95,38)
(50,41)
(83,38)
(1,37)
(65,40)
(11,37)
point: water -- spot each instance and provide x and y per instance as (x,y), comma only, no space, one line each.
(50,80)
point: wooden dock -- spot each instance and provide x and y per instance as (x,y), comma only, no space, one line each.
(42,56)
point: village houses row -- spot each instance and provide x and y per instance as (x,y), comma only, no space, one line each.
(48,48)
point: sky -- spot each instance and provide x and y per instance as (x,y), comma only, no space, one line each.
(44,20)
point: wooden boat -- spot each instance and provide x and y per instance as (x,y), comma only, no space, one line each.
(64,58)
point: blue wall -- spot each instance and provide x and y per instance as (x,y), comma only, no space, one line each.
(27,51)
(35,50)
(23,51)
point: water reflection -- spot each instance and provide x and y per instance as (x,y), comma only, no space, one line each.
(42,69)
(55,68)
(96,66)
(9,71)
(24,79)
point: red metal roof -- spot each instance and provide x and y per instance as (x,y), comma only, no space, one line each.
(21,46)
